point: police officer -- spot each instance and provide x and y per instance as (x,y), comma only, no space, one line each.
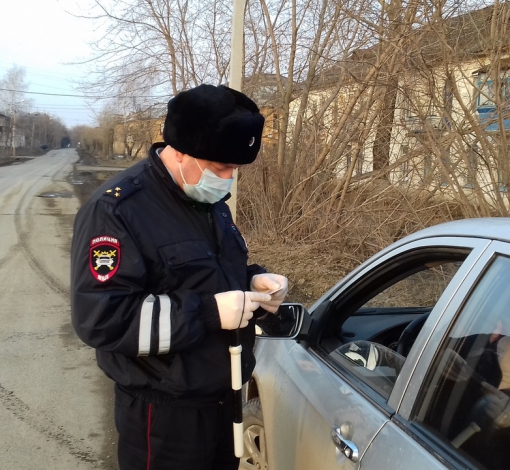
(160,276)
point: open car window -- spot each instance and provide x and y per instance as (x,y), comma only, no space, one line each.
(379,307)
(420,289)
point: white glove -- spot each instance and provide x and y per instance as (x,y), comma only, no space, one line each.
(273,284)
(236,307)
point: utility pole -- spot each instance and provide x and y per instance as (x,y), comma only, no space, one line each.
(13,137)
(236,74)
(235,82)
(34,115)
(14,103)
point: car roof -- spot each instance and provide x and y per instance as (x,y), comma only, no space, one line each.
(490,228)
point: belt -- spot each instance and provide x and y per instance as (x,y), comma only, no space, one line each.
(162,398)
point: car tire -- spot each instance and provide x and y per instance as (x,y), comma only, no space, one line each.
(255,455)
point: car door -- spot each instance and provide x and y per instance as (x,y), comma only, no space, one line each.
(323,407)
(456,404)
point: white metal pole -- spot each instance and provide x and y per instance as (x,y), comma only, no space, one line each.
(237,385)
(235,82)
(236,74)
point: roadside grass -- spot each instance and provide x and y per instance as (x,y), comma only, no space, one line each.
(322,247)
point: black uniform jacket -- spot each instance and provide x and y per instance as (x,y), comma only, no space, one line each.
(146,263)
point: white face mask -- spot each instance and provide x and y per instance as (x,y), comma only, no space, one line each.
(210,188)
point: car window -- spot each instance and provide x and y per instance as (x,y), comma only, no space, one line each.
(465,400)
(397,296)
(419,289)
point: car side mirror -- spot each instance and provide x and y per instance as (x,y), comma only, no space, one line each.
(285,323)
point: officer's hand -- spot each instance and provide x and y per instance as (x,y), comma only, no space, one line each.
(273,284)
(236,307)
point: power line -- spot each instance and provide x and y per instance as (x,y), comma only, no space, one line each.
(45,75)
(70,108)
(55,94)
(32,84)
(82,96)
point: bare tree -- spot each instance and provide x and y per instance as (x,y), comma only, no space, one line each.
(13,86)
(13,102)
(372,108)
(455,108)
(405,126)
(155,48)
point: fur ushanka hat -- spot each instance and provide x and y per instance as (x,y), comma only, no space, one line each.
(212,123)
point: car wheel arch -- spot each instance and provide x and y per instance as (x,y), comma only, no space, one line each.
(255,452)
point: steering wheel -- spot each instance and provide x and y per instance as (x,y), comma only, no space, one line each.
(410,333)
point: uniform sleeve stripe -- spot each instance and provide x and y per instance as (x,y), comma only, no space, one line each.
(144,336)
(165,325)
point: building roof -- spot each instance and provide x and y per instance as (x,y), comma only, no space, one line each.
(468,34)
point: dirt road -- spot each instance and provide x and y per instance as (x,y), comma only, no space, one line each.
(55,404)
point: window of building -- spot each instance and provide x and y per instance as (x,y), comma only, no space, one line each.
(502,181)
(447,102)
(348,160)
(487,91)
(276,121)
(472,170)
(404,168)
(427,166)
(359,163)
(445,167)
(273,123)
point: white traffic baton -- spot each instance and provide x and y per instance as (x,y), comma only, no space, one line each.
(237,384)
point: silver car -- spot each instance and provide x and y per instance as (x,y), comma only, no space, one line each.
(404,364)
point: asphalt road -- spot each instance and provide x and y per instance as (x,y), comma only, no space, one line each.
(55,404)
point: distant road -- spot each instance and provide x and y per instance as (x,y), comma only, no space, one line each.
(55,404)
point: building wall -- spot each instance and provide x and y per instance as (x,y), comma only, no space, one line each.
(442,138)
(132,138)
(4,131)
(453,153)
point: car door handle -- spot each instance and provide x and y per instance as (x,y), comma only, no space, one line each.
(347,447)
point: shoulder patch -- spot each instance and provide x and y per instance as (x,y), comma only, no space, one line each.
(104,257)
(115,192)
(121,190)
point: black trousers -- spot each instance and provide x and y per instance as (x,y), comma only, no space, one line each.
(159,432)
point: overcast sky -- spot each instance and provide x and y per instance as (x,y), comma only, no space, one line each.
(41,37)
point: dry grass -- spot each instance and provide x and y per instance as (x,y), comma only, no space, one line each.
(321,245)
